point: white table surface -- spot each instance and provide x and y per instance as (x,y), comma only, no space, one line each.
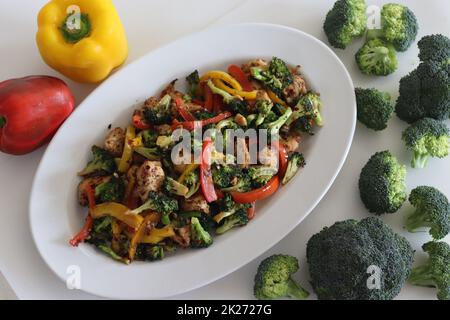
(150,24)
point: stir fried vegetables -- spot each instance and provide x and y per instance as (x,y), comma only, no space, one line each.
(149,193)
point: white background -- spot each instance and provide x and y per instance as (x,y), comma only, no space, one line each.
(150,24)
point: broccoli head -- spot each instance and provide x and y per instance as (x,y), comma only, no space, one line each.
(224,175)
(171,186)
(158,202)
(295,162)
(238,219)
(274,279)
(434,47)
(193,81)
(408,106)
(102,163)
(382,183)
(161,113)
(149,252)
(399,25)
(308,107)
(436,271)
(149,138)
(200,238)
(273,127)
(427,137)
(263,107)
(226,207)
(343,257)
(276,77)
(432,211)
(376,57)
(192,181)
(374,108)
(235,103)
(112,190)
(260,175)
(345,21)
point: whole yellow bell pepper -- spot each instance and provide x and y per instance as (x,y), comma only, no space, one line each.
(82,39)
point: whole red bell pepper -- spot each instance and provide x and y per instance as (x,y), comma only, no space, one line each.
(31,110)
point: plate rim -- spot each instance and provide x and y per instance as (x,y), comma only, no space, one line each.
(281,235)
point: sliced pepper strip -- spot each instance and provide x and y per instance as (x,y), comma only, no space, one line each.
(240,76)
(209,98)
(118,211)
(275,98)
(257,194)
(135,239)
(282,158)
(157,235)
(140,123)
(251,95)
(190,125)
(251,211)
(127,153)
(84,232)
(223,76)
(184,113)
(206,180)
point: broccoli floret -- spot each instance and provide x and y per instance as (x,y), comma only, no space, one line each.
(295,162)
(159,203)
(263,108)
(376,57)
(103,163)
(399,25)
(274,279)
(374,108)
(200,238)
(274,127)
(237,219)
(345,21)
(224,175)
(243,183)
(192,181)
(432,210)
(149,138)
(110,191)
(227,207)
(276,77)
(235,103)
(172,186)
(436,271)
(148,252)
(260,175)
(110,252)
(149,153)
(101,232)
(161,113)
(382,183)
(340,258)
(193,81)
(434,47)
(427,137)
(307,108)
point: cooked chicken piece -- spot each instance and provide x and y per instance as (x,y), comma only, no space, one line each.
(268,157)
(295,89)
(149,177)
(256,84)
(92,182)
(131,173)
(114,141)
(262,95)
(183,236)
(192,107)
(240,120)
(291,143)
(196,203)
(163,129)
(254,63)
(151,102)
(242,153)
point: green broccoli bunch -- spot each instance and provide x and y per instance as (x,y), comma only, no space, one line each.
(374,108)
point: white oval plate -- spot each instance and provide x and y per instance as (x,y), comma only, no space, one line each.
(55,215)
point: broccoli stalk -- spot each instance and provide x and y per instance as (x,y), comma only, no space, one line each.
(308,107)
(435,272)
(432,210)
(274,127)
(159,203)
(110,252)
(112,190)
(160,113)
(345,21)
(427,137)
(295,162)
(174,187)
(382,183)
(148,153)
(376,57)
(374,108)
(200,238)
(263,108)
(235,103)
(274,279)
(276,77)
(102,163)
(237,219)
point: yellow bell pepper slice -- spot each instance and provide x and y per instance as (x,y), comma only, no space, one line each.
(118,211)
(191,167)
(136,238)
(125,160)
(275,98)
(157,235)
(222,76)
(247,95)
(83,39)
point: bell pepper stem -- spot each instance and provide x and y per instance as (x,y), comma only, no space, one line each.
(2,122)
(73,30)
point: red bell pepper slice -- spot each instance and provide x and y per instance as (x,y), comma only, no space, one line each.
(237,73)
(189,125)
(206,180)
(198,102)
(283,159)
(84,232)
(217,103)
(251,211)
(208,98)
(257,194)
(184,113)
(140,123)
